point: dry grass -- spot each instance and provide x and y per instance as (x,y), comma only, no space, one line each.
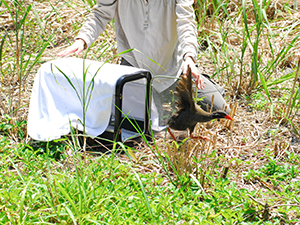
(241,146)
(245,139)
(257,133)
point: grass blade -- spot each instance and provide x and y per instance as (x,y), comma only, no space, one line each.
(71,214)
(144,193)
(288,112)
(67,196)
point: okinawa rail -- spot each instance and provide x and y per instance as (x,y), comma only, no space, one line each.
(188,113)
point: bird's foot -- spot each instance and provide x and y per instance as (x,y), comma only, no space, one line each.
(170,132)
(199,137)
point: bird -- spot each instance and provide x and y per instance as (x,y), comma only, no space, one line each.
(189,113)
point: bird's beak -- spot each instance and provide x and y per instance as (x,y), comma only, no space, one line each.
(228,117)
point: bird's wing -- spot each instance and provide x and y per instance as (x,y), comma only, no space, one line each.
(184,91)
(183,94)
(189,86)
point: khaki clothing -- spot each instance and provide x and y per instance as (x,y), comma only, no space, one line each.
(161,31)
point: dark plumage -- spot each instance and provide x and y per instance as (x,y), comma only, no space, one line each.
(189,113)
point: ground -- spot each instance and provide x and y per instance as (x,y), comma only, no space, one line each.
(260,135)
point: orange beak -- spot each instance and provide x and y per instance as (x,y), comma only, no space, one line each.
(228,117)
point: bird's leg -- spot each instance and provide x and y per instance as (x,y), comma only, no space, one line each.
(172,135)
(199,137)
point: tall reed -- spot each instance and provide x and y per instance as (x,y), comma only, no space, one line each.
(18,56)
(230,46)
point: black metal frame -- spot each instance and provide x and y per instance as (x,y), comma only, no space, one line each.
(119,100)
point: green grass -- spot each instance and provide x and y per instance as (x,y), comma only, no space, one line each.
(55,183)
(45,185)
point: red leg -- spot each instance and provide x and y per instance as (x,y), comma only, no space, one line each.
(172,135)
(199,137)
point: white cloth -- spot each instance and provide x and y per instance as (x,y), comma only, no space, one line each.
(55,105)
(161,30)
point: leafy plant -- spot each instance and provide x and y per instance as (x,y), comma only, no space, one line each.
(20,57)
(11,129)
(56,183)
(229,45)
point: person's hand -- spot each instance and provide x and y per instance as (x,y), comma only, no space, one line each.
(77,47)
(195,72)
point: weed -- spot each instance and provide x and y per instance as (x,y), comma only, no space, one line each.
(56,183)
(16,68)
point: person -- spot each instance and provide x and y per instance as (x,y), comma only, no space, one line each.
(163,34)
(164,31)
